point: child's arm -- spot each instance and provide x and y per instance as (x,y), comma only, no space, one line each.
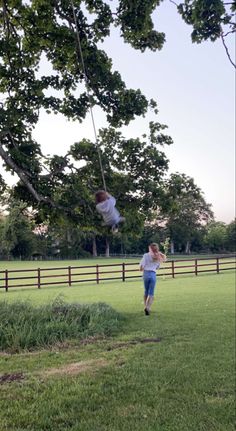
(112,200)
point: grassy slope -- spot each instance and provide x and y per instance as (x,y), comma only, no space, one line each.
(185,382)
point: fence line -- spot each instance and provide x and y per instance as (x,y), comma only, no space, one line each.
(123,271)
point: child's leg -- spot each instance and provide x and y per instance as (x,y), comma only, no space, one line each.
(114,227)
(146,286)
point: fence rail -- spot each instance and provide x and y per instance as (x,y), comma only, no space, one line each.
(123,271)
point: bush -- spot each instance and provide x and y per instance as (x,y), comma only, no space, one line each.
(24,326)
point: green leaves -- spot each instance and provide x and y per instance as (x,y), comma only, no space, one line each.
(136,23)
(206,17)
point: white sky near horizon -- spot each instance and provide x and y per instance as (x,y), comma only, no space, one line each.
(194,87)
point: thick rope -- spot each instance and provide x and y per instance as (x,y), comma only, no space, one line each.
(88,94)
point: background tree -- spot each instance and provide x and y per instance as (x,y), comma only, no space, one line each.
(184,211)
(17,238)
(216,236)
(231,236)
(1,229)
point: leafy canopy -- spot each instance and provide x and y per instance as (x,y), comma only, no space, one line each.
(32,31)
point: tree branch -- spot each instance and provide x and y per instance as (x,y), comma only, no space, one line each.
(229,32)
(23,177)
(227,51)
(172,1)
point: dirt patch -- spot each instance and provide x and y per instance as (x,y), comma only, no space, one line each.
(126,344)
(219,395)
(77,368)
(149,340)
(8,378)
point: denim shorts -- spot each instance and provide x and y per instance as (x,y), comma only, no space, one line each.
(149,279)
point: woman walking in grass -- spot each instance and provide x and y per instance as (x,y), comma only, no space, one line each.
(149,264)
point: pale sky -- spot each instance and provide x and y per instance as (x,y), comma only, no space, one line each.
(195,90)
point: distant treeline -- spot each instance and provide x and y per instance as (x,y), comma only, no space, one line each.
(20,238)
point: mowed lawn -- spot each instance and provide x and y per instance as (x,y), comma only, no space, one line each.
(171,371)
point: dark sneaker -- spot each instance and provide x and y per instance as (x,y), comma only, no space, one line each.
(146,311)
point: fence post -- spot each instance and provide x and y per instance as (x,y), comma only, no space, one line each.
(6,280)
(97,274)
(123,271)
(39,281)
(173,268)
(69,275)
(195,266)
(217,265)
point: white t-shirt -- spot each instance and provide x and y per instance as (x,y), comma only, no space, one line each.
(108,211)
(148,264)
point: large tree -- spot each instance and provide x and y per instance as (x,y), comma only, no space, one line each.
(59,31)
(56,30)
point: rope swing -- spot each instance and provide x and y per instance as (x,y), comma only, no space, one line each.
(88,94)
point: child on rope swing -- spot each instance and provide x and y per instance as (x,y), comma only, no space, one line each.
(105,205)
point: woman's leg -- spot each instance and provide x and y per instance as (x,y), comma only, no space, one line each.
(146,281)
(149,302)
(151,289)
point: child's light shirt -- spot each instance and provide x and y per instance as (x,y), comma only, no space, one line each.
(148,264)
(108,211)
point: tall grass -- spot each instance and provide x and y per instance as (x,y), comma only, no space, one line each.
(24,326)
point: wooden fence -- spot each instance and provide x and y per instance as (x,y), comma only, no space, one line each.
(123,271)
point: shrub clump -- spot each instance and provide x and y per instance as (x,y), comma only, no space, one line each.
(23,326)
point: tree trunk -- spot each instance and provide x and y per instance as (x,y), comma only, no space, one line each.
(172,247)
(68,237)
(107,248)
(187,248)
(95,253)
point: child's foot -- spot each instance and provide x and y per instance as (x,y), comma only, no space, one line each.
(114,228)
(146,311)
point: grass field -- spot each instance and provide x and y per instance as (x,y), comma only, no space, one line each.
(171,371)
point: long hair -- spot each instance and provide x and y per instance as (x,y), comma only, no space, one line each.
(154,251)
